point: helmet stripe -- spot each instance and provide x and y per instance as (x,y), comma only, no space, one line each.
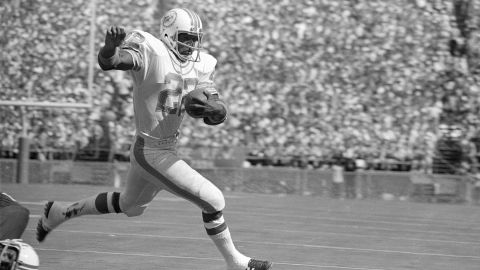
(190,15)
(24,265)
(193,18)
(199,21)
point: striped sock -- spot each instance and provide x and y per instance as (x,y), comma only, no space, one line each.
(103,203)
(108,202)
(218,231)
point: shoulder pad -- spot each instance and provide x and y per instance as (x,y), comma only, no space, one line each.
(156,46)
(207,63)
(136,36)
(133,40)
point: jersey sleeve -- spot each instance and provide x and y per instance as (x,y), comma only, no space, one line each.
(206,68)
(147,53)
(134,45)
(206,72)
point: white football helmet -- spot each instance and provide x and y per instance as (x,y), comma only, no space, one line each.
(183,22)
(17,255)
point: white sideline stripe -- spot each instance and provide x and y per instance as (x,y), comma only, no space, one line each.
(286,244)
(413,223)
(198,258)
(357,220)
(378,236)
(326,266)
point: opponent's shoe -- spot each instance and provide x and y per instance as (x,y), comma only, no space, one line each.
(258,265)
(51,218)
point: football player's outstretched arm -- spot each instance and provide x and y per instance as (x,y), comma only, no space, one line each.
(110,55)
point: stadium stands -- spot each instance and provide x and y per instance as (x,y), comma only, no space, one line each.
(303,82)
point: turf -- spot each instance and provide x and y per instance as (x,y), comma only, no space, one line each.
(295,232)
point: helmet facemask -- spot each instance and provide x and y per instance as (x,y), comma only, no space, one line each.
(8,257)
(188,45)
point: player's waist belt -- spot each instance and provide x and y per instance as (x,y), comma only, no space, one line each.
(157,142)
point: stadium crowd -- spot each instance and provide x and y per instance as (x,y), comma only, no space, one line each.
(314,79)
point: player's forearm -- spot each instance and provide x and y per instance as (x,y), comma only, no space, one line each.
(108,57)
(116,58)
(107,51)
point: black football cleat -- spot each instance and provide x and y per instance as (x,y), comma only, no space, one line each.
(258,265)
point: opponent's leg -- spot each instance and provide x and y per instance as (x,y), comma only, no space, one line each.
(132,201)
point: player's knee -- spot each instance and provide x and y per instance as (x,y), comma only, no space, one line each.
(135,211)
(215,199)
(131,207)
(219,201)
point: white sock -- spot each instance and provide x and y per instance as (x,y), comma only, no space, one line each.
(103,203)
(220,235)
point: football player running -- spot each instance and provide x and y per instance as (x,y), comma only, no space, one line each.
(163,70)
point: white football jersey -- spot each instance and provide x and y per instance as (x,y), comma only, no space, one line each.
(160,82)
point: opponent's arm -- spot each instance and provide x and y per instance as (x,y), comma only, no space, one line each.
(111,56)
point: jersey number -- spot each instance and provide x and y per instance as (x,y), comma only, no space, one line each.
(170,99)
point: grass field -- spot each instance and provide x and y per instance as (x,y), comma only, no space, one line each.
(294,232)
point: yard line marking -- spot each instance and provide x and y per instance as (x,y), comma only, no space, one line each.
(284,244)
(127,254)
(291,219)
(199,258)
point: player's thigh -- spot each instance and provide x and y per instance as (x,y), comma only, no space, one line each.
(163,168)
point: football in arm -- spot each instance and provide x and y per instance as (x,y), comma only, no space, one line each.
(192,101)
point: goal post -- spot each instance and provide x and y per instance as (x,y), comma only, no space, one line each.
(23,140)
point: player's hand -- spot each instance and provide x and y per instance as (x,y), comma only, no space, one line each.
(114,37)
(209,107)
